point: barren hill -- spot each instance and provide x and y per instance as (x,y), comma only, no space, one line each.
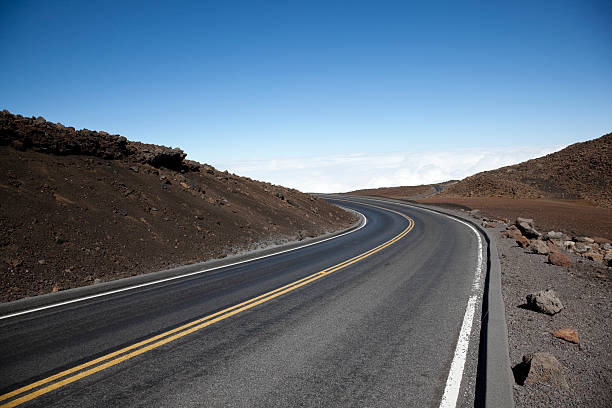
(404,192)
(582,171)
(80,206)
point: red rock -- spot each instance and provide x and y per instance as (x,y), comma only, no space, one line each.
(593,256)
(600,240)
(544,368)
(570,335)
(559,259)
(522,242)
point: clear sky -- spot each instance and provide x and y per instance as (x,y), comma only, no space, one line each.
(297,90)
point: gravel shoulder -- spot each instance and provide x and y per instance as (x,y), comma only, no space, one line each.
(585,290)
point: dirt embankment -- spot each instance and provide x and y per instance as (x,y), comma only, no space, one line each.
(403,192)
(582,171)
(79,207)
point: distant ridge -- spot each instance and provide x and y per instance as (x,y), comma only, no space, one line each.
(582,171)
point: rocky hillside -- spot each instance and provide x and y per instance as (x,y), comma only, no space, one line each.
(82,206)
(581,171)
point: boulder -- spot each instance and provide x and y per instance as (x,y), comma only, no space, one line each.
(525,225)
(165,157)
(539,247)
(570,335)
(555,236)
(593,256)
(543,368)
(559,259)
(602,241)
(522,242)
(544,301)
(568,245)
(581,247)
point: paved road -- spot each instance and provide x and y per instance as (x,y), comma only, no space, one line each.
(380,330)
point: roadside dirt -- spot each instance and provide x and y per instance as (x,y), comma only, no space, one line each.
(79,207)
(585,290)
(578,218)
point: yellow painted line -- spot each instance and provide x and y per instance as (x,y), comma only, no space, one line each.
(177,333)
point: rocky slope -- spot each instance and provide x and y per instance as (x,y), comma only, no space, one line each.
(83,206)
(582,171)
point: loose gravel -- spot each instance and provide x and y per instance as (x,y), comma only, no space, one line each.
(585,291)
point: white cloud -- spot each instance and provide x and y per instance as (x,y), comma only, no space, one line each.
(348,172)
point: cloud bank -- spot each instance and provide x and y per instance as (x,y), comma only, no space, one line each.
(341,173)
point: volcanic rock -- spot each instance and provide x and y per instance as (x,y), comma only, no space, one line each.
(527,228)
(559,259)
(539,247)
(570,335)
(544,301)
(542,368)
(522,242)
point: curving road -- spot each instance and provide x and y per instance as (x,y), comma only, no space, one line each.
(369,319)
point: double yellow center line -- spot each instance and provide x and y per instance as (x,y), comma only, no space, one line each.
(73,374)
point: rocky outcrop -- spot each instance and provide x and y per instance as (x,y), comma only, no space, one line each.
(54,138)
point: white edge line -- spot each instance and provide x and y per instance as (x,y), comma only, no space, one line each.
(455,375)
(110,292)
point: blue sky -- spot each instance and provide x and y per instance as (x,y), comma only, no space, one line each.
(248,85)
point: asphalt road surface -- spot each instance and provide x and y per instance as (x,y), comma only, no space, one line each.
(369,319)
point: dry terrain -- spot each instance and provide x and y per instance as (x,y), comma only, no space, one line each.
(78,207)
(572,217)
(582,171)
(403,192)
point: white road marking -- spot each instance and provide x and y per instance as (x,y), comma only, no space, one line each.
(455,375)
(142,285)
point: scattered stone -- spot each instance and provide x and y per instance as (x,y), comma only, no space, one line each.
(488,225)
(135,169)
(593,256)
(554,235)
(42,262)
(568,245)
(608,258)
(522,242)
(570,335)
(544,301)
(602,241)
(527,228)
(559,259)
(280,195)
(584,239)
(511,227)
(540,368)
(539,247)
(55,289)
(581,247)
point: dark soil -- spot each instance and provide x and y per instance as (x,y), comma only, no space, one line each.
(82,206)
